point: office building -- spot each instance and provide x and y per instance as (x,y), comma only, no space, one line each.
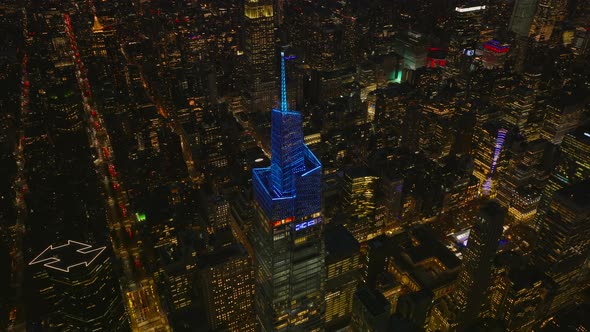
(574,166)
(226,278)
(101,37)
(376,256)
(564,242)
(87,294)
(288,246)
(559,121)
(360,200)
(412,47)
(414,308)
(370,311)
(520,107)
(546,15)
(343,275)
(177,285)
(523,205)
(489,154)
(581,41)
(494,54)
(465,31)
(474,278)
(518,294)
(443,315)
(522,17)
(259,52)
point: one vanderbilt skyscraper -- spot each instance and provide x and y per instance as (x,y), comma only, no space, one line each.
(289,251)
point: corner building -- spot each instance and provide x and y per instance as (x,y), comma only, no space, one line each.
(288,246)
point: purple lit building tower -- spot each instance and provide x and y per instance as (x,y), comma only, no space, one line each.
(289,252)
(487,186)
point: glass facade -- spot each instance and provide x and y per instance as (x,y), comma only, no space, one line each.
(289,251)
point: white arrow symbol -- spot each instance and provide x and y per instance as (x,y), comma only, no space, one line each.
(51,260)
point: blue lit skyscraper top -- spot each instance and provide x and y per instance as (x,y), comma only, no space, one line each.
(287,143)
(294,177)
(287,235)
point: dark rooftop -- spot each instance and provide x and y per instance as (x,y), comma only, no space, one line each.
(576,196)
(373,300)
(222,256)
(340,243)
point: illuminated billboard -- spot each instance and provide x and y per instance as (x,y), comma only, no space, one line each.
(306,224)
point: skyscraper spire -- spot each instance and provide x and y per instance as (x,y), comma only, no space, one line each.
(284,106)
(288,197)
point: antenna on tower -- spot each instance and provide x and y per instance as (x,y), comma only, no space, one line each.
(283,84)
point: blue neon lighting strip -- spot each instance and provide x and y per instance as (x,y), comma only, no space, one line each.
(283,84)
(306,224)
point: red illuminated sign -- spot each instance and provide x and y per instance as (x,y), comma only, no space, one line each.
(283,221)
(496,47)
(433,63)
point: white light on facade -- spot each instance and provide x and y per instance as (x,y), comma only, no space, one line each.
(469,9)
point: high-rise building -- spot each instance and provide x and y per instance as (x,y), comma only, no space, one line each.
(494,54)
(227,281)
(388,285)
(546,15)
(177,285)
(259,50)
(360,191)
(100,38)
(522,17)
(560,120)
(519,109)
(218,214)
(370,311)
(581,41)
(88,297)
(465,32)
(414,308)
(574,166)
(288,246)
(523,204)
(459,193)
(376,257)
(488,153)
(69,113)
(564,242)
(518,293)
(516,189)
(444,315)
(412,46)
(343,275)
(481,249)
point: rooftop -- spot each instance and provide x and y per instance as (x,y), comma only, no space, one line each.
(222,256)
(67,256)
(340,244)
(373,300)
(576,196)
